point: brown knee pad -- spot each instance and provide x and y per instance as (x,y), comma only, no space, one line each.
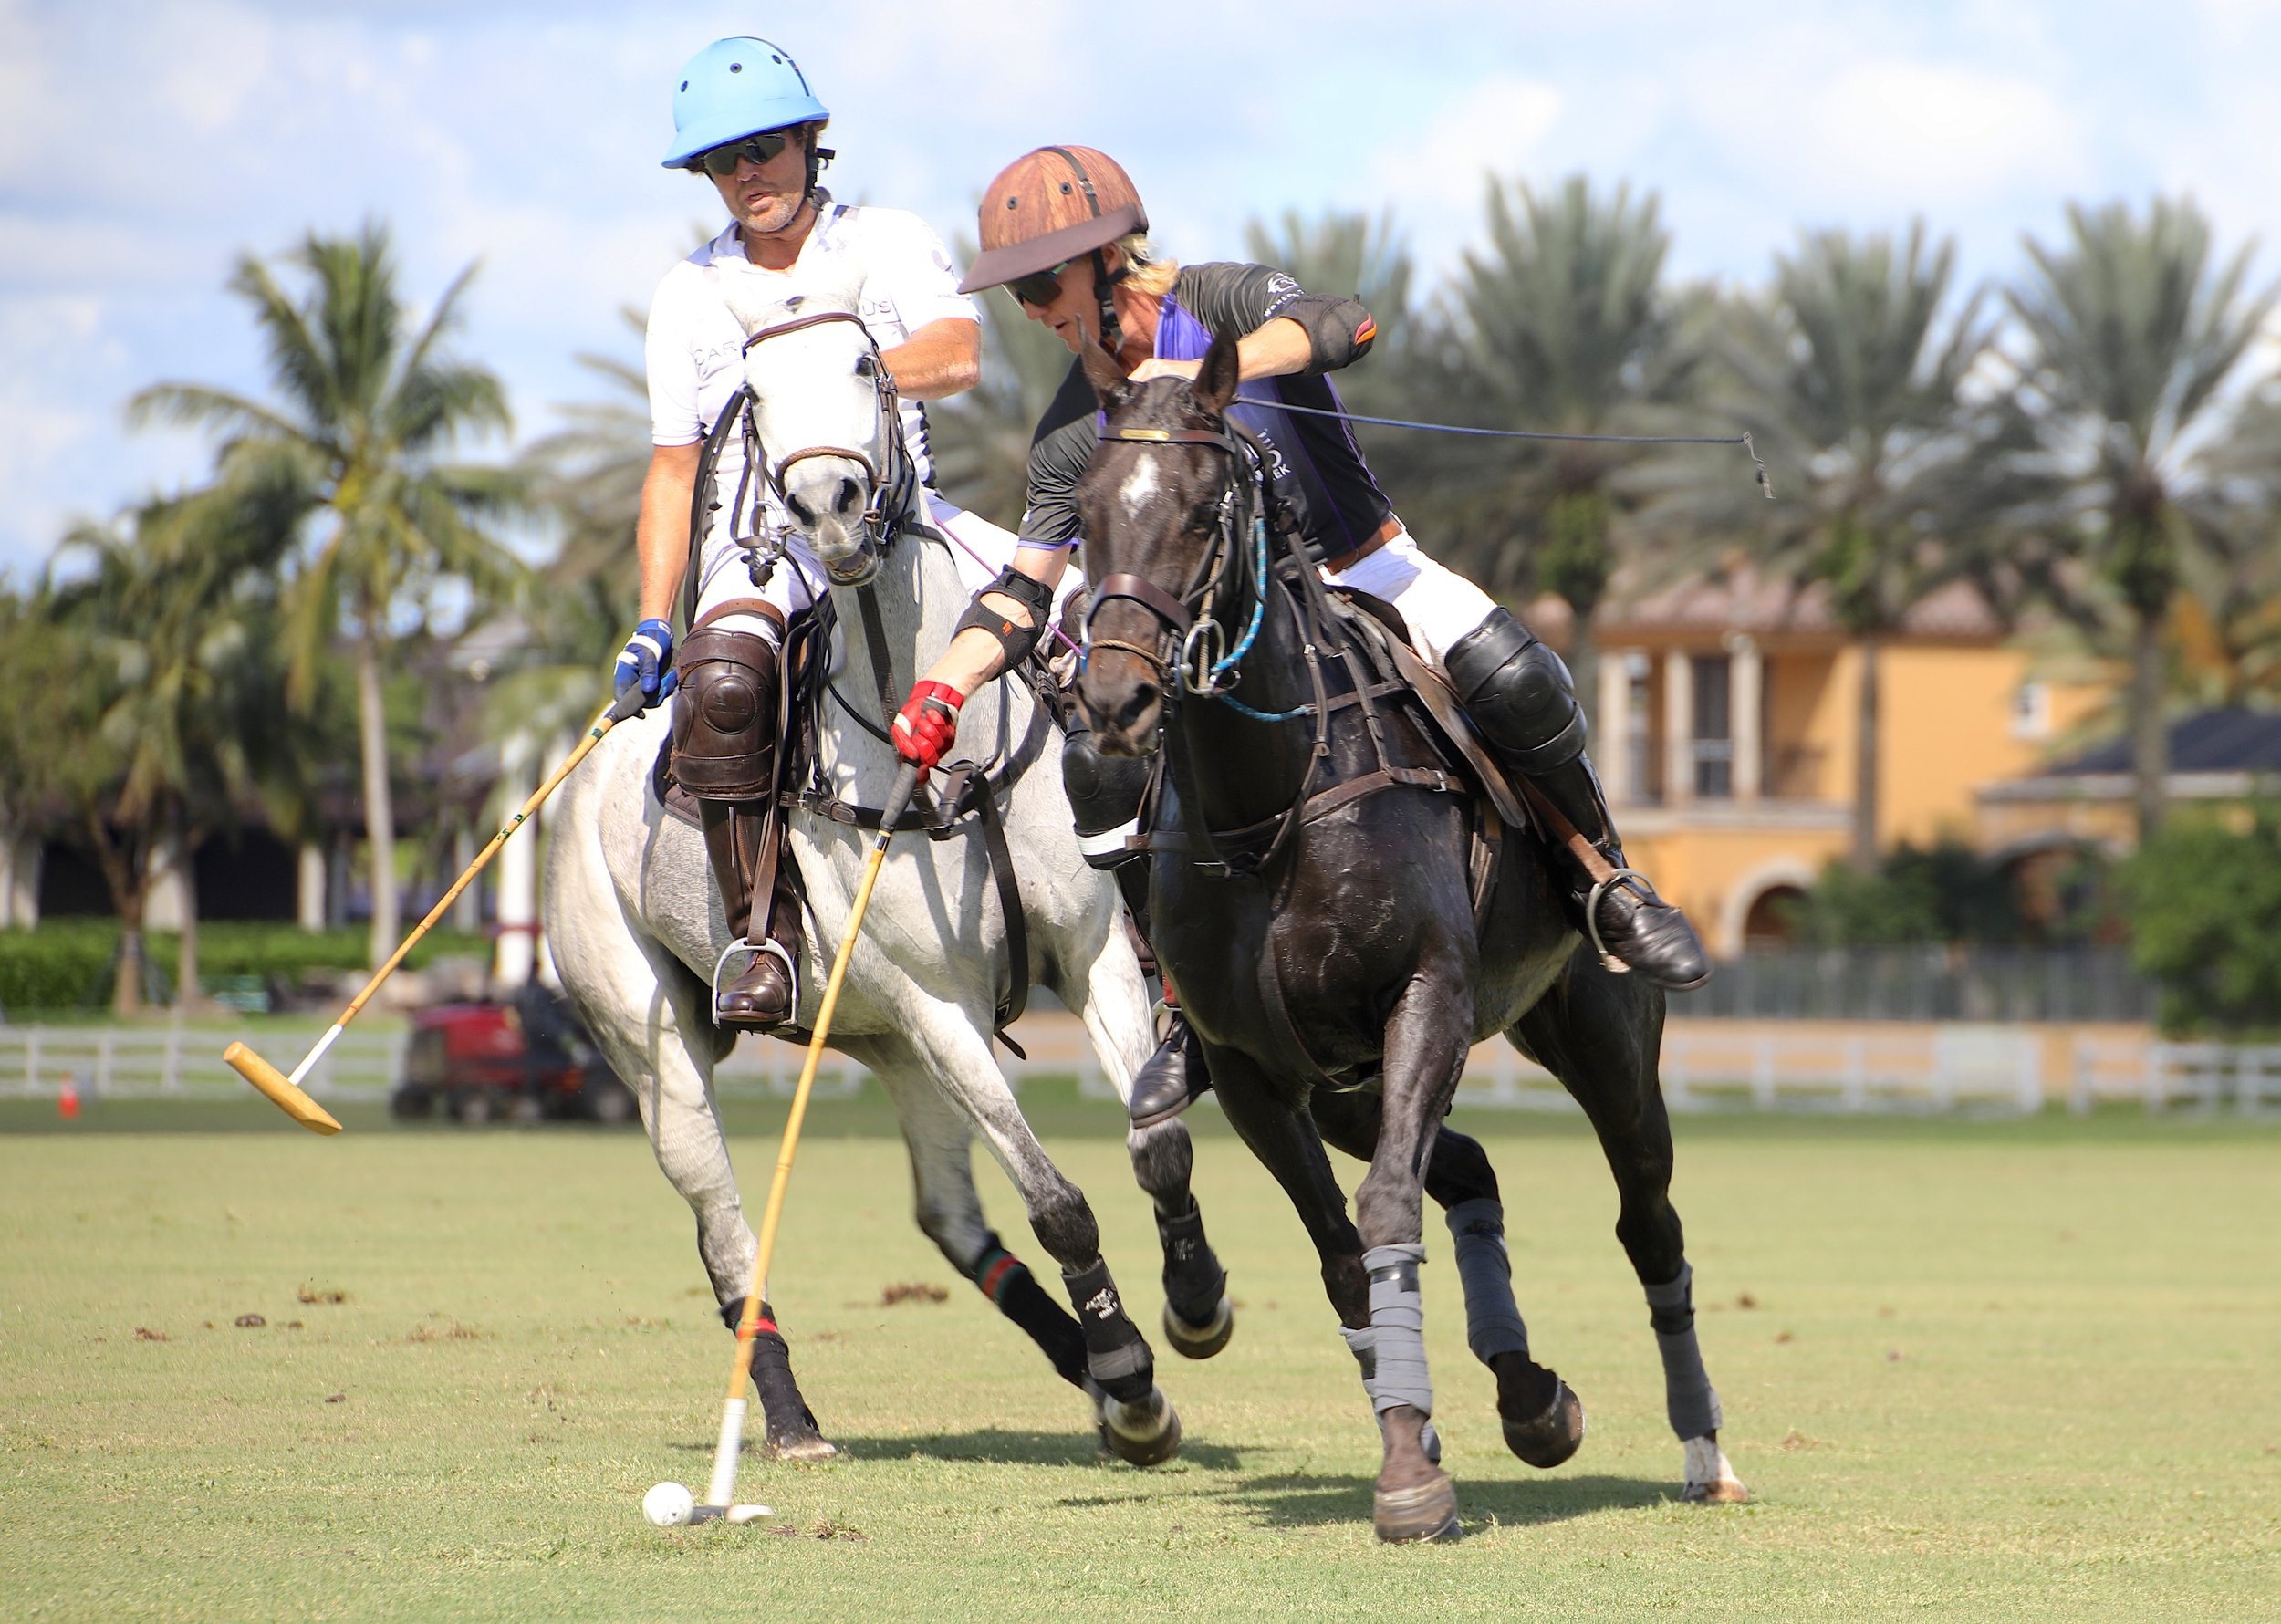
(725,715)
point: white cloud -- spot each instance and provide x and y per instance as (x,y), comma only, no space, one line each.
(526,134)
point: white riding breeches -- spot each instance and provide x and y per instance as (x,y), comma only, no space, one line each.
(1438,605)
(980,548)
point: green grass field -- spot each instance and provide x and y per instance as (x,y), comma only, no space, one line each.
(2024,1370)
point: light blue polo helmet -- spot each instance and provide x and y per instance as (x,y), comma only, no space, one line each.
(738,87)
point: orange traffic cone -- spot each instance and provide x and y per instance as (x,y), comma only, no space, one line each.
(67,1099)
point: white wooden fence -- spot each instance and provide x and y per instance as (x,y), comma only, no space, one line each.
(2205,1077)
(1865,1067)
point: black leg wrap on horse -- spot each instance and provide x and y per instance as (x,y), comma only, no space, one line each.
(787,1412)
(1105,794)
(1689,1398)
(1006,1281)
(1518,693)
(1193,1279)
(1116,1355)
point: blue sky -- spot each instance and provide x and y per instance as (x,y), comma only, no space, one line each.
(144,146)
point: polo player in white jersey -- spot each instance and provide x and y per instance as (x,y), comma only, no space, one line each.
(745,118)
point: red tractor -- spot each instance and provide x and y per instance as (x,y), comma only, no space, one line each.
(527,1058)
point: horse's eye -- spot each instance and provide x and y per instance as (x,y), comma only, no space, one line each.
(866,366)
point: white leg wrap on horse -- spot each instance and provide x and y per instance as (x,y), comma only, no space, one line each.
(1492,1319)
(1399,1373)
(1688,1396)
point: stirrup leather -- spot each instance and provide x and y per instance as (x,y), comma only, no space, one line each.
(766,947)
(1608,961)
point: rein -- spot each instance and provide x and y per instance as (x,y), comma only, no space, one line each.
(1766,483)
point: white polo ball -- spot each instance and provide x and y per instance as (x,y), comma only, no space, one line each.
(668,1506)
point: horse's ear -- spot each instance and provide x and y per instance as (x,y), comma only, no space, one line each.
(752,307)
(1217,378)
(1109,380)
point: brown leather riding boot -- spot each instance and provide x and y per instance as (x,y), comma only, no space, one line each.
(763,994)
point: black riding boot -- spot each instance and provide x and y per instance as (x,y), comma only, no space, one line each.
(1518,693)
(1170,1078)
(1173,1075)
(1624,919)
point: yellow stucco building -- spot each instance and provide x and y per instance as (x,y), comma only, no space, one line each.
(1726,729)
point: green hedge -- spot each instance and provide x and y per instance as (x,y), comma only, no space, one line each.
(66,963)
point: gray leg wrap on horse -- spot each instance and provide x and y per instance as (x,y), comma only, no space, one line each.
(1492,1319)
(1399,1375)
(1688,1396)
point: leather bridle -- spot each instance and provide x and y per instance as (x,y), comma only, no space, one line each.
(1190,651)
(889,491)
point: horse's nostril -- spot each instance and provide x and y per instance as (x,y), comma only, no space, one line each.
(1144,694)
(800,510)
(851,497)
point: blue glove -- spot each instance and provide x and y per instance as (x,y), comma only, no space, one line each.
(647,664)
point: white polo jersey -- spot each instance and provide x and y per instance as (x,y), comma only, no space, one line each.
(695,347)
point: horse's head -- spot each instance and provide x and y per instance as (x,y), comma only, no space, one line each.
(1152,506)
(824,410)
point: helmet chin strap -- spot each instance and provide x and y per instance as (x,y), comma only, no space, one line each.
(1105,285)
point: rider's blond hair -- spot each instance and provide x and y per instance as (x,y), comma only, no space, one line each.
(1145,272)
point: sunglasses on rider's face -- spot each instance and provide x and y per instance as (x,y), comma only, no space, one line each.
(1039,287)
(723,159)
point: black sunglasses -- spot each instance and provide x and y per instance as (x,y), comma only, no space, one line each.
(723,159)
(1039,287)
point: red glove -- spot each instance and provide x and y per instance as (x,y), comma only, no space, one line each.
(927,725)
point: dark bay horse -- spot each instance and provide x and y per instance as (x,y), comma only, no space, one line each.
(1321,899)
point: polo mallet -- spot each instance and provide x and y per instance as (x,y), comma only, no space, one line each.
(287,1091)
(725,1454)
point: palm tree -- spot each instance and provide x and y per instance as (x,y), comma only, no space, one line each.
(173,617)
(1561,323)
(1853,375)
(2133,328)
(370,409)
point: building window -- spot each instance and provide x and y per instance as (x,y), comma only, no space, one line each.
(1714,729)
(2031,711)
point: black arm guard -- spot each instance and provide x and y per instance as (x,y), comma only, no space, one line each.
(1338,331)
(1016,639)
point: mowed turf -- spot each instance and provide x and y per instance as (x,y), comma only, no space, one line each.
(1970,1371)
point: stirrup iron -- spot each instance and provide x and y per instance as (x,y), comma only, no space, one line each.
(1609,961)
(767,947)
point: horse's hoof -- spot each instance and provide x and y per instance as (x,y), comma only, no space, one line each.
(807,1446)
(1142,1434)
(1426,1510)
(1200,1341)
(1545,1441)
(1711,1480)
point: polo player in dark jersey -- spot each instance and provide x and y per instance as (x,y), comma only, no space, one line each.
(1063,229)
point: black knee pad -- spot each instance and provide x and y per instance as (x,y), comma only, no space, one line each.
(1518,693)
(1105,794)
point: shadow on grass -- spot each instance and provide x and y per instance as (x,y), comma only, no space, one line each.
(1004,1447)
(1307,1501)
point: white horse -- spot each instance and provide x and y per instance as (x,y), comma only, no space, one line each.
(636,932)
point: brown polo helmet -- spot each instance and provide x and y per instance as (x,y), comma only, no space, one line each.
(1047,207)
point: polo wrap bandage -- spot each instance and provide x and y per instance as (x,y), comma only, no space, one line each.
(1397,1330)
(1689,1398)
(1492,1319)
